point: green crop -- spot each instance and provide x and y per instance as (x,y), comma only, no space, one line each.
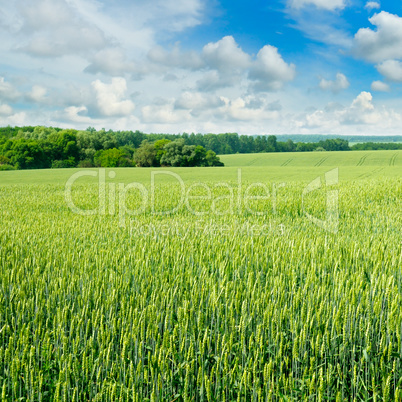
(235,306)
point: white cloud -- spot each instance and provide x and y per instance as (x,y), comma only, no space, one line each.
(381,44)
(391,69)
(10,19)
(213,80)
(197,101)
(66,40)
(337,85)
(362,111)
(319,23)
(136,25)
(379,86)
(269,71)
(110,61)
(17,119)
(325,4)
(7,91)
(175,58)
(6,110)
(225,55)
(110,100)
(126,23)
(360,116)
(164,114)
(37,94)
(224,64)
(363,102)
(55,29)
(217,87)
(76,114)
(177,15)
(43,14)
(198,111)
(239,109)
(371,5)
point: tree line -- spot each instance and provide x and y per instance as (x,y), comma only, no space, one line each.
(36,147)
(47,147)
(351,138)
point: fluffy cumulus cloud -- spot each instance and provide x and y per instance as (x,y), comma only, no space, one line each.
(391,70)
(121,65)
(383,43)
(372,5)
(197,102)
(337,85)
(269,71)
(213,80)
(37,94)
(380,86)
(362,115)
(175,58)
(6,110)
(110,61)
(164,113)
(363,102)
(325,4)
(224,64)
(75,114)
(362,111)
(15,119)
(195,111)
(7,91)
(225,55)
(241,109)
(110,98)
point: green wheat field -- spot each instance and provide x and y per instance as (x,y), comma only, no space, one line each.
(204,284)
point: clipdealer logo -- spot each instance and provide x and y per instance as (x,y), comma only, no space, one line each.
(239,198)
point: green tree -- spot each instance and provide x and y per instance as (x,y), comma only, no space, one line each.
(145,155)
(213,159)
(67,163)
(173,154)
(260,144)
(112,158)
(195,155)
(159,147)
(28,154)
(4,160)
(272,145)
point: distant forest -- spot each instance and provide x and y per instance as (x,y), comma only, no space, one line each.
(350,138)
(48,147)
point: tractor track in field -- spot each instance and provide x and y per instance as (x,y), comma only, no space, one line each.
(362,160)
(252,162)
(392,160)
(321,161)
(371,173)
(286,163)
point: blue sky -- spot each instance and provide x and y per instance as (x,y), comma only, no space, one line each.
(255,67)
